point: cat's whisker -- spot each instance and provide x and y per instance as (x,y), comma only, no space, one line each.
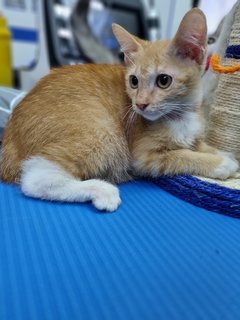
(130,121)
(180,108)
(169,104)
(127,113)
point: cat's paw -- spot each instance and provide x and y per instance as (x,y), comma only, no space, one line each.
(226,154)
(227,168)
(107,198)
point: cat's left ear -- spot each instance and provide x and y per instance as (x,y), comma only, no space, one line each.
(190,40)
(129,43)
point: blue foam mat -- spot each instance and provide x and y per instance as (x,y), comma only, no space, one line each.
(157,257)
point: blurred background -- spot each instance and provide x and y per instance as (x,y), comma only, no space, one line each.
(36,35)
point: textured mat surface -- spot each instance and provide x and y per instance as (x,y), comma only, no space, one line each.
(157,257)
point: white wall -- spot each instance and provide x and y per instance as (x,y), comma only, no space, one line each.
(171,13)
(23,52)
(215,11)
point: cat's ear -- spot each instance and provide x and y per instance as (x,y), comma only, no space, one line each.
(190,40)
(129,43)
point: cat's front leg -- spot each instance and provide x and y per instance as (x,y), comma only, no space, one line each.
(204,147)
(184,161)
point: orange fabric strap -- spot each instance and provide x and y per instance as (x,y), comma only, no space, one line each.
(217,67)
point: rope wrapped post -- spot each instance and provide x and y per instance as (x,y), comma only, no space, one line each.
(223,130)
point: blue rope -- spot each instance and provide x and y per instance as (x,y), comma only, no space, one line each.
(233,52)
(203,194)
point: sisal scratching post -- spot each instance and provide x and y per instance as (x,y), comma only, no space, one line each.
(224,120)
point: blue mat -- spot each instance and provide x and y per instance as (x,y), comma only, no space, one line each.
(156,258)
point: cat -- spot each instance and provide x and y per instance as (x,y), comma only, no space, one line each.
(84,128)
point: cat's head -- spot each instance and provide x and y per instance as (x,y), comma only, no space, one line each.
(163,77)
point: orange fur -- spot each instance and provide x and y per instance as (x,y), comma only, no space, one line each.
(66,118)
(81,118)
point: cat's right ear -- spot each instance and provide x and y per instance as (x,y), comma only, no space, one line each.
(129,43)
(191,38)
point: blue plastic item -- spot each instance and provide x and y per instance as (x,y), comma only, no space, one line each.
(157,257)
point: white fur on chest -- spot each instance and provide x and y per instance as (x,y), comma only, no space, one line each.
(185,131)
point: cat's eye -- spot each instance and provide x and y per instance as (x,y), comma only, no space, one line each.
(133,81)
(211,40)
(163,81)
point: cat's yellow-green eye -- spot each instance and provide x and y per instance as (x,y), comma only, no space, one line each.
(163,81)
(133,81)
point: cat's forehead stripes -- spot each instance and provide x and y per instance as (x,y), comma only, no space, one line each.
(147,70)
(153,59)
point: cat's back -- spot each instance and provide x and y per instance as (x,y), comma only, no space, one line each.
(79,82)
(73,115)
(86,75)
(72,92)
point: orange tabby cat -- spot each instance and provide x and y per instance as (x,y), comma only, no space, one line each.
(78,128)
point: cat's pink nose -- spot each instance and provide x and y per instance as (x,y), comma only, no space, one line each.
(141,106)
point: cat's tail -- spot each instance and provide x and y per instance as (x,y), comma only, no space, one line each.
(47,180)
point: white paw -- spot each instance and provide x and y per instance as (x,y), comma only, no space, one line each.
(227,168)
(107,198)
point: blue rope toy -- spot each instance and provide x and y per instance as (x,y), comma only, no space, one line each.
(203,194)
(233,52)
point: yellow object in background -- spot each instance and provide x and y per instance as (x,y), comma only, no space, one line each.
(5,54)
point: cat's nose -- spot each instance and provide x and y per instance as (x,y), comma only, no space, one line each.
(142,106)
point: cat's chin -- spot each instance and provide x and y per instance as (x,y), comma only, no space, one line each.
(151,116)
